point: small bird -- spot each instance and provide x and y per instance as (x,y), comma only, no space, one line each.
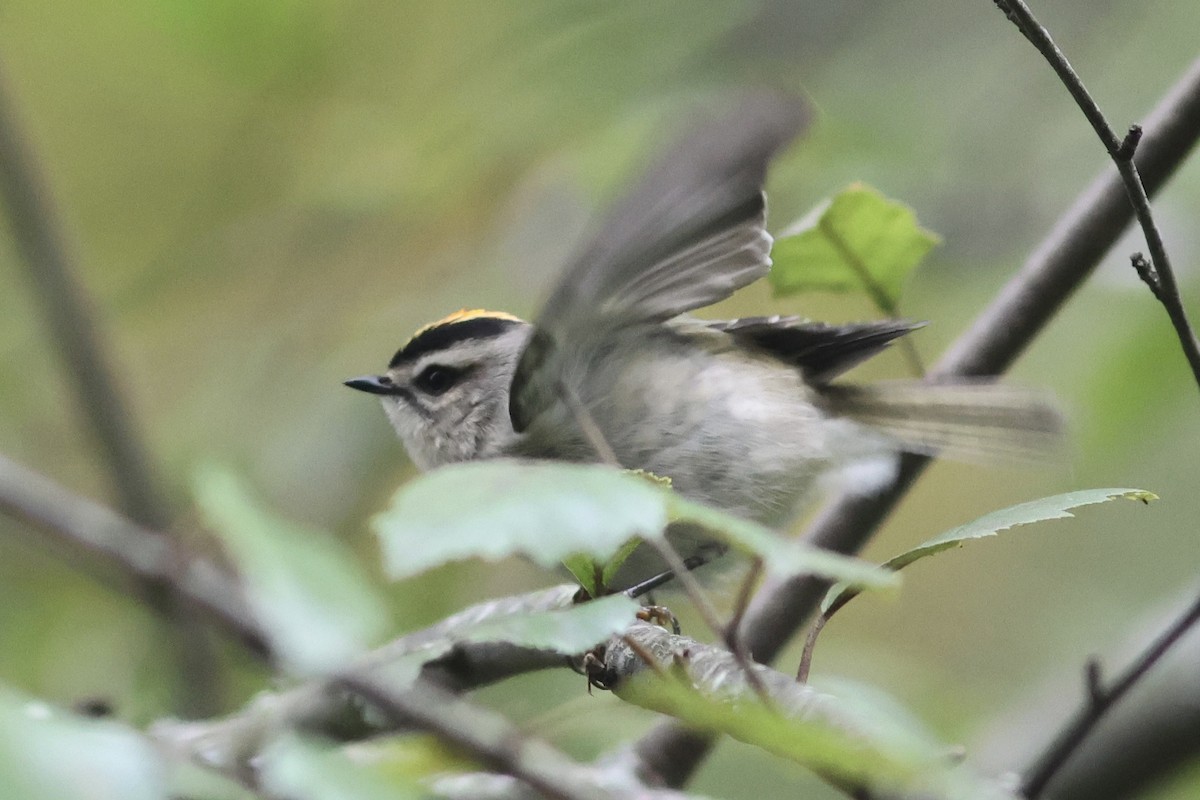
(743,414)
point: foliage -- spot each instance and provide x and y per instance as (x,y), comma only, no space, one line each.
(308,594)
(856,738)
(1045,508)
(856,241)
(551,512)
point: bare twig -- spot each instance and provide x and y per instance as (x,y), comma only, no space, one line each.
(1148,736)
(231,746)
(1163,285)
(746,591)
(1100,700)
(1158,275)
(228,745)
(83,525)
(138,552)
(1005,328)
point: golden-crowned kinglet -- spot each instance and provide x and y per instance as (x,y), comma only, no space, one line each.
(739,414)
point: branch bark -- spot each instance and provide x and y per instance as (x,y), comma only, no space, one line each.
(141,554)
(1057,267)
(431,655)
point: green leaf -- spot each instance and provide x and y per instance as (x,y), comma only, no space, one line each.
(570,631)
(307,592)
(595,576)
(563,627)
(301,768)
(48,754)
(852,737)
(857,241)
(782,557)
(494,509)
(1054,507)
(588,571)
(552,512)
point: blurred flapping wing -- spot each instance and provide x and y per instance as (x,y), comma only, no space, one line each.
(689,234)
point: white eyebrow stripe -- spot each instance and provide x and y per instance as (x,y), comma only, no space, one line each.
(457,355)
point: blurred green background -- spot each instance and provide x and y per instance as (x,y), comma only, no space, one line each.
(266,198)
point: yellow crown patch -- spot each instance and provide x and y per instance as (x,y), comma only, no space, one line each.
(462,315)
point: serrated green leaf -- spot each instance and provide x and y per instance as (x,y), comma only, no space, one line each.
(307,592)
(301,768)
(494,509)
(1054,507)
(48,754)
(782,557)
(857,241)
(853,738)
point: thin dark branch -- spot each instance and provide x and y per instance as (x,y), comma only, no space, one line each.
(84,526)
(140,553)
(75,332)
(71,318)
(1166,290)
(1160,278)
(1006,327)
(1100,700)
(334,708)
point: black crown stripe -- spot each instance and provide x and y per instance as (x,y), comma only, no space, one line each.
(440,337)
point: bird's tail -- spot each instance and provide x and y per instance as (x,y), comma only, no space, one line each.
(965,420)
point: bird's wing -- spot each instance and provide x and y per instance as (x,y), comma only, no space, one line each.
(691,231)
(820,350)
(689,234)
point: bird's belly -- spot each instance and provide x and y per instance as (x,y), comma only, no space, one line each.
(736,435)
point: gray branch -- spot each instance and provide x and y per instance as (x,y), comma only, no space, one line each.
(495,742)
(71,319)
(1156,731)
(431,655)
(1064,259)
(84,526)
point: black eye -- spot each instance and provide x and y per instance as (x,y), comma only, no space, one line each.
(436,379)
